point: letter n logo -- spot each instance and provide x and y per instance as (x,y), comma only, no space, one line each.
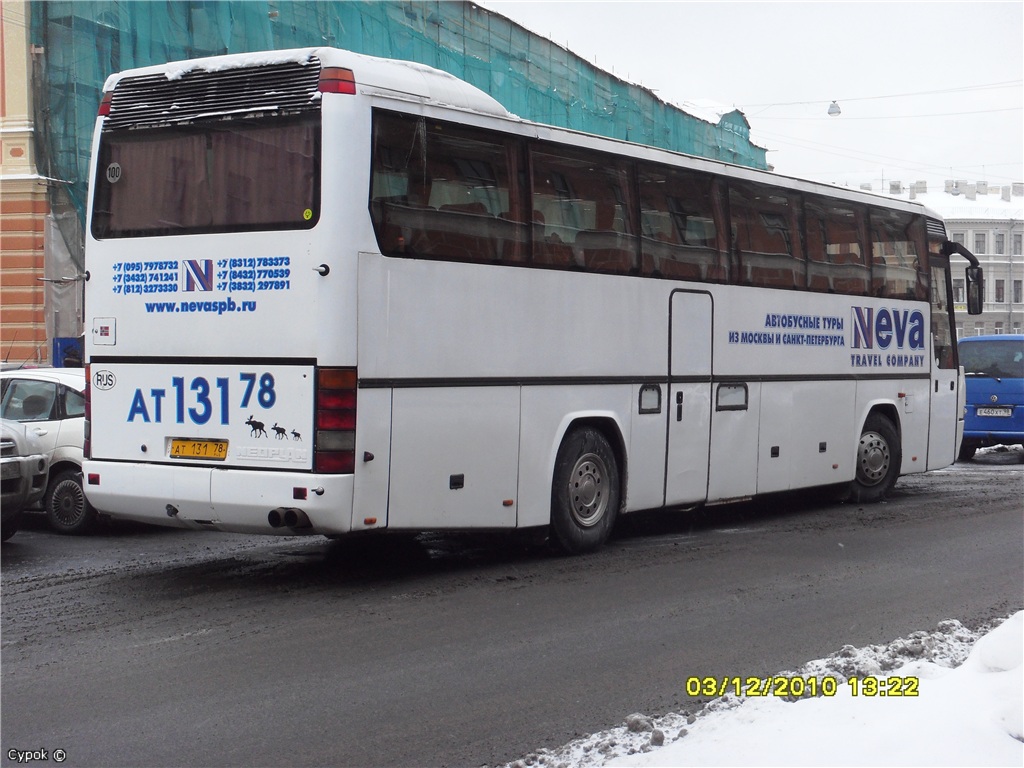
(198,275)
(863,328)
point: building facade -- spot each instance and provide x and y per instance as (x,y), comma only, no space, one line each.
(988,220)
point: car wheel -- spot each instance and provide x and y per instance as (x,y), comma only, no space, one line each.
(879,459)
(67,509)
(967,451)
(585,491)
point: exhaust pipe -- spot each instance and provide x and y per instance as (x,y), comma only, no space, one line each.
(296,518)
(275,518)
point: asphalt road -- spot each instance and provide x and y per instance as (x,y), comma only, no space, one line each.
(153,647)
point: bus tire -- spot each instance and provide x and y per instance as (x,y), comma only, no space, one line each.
(585,491)
(879,459)
(67,509)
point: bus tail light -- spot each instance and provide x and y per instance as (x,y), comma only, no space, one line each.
(336,80)
(335,435)
(87,426)
(104,109)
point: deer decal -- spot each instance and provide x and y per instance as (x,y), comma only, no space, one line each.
(255,427)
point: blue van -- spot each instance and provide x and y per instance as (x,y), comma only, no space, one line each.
(994,415)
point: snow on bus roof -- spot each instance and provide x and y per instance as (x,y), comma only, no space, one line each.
(175,70)
(221,63)
(374,75)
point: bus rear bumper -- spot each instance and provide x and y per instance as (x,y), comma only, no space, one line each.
(239,501)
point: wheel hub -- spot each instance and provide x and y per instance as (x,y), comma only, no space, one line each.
(586,490)
(873,458)
(69,503)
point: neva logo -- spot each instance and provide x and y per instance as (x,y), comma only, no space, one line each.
(198,275)
(884,326)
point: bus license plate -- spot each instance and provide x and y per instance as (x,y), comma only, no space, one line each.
(215,450)
(995,412)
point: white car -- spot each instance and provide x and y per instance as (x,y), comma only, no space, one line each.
(50,403)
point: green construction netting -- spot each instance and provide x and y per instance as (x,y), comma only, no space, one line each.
(83,41)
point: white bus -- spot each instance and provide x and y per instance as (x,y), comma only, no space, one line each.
(329,293)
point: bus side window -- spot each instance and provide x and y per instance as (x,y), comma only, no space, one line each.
(554,216)
(469,187)
(586,212)
(397,183)
(835,255)
(766,227)
(444,191)
(897,250)
(679,235)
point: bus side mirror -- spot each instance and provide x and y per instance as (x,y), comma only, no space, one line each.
(975,290)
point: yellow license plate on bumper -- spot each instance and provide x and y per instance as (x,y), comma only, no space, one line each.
(207,450)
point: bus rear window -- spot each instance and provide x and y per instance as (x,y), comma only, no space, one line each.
(209,176)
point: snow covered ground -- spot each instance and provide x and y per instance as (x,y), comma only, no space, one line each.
(967,710)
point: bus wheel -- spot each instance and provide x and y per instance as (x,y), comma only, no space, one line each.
(67,509)
(585,491)
(879,458)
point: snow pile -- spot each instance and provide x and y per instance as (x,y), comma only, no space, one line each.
(968,711)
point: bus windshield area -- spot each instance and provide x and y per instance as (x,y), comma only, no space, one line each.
(224,175)
(996,359)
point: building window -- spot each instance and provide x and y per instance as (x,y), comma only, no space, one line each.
(999,328)
(1016,245)
(958,237)
(1018,291)
(1000,291)
(979,243)
(958,291)
(1000,243)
